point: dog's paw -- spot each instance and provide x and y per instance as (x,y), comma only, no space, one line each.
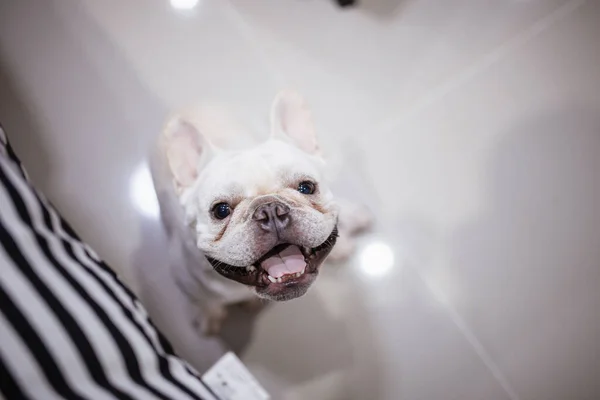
(253,305)
(343,249)
(363,220)
(354,218)
(209,320)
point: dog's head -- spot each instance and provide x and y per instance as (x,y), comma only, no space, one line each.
(263,216)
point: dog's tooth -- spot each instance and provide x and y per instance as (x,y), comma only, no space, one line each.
(279,280)
(272,279)
(298,274)
(251,268)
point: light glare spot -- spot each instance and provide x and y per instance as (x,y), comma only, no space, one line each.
(184,4)
(376,259)
(141,191)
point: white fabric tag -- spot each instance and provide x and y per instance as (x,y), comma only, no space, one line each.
(229,379)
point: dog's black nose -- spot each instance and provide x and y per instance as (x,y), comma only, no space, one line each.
(272,217)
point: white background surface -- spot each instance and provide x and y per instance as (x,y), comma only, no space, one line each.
(471,129)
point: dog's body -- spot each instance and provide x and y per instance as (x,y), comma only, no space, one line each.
(191,270)
(261,218)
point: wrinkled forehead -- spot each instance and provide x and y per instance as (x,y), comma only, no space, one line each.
(260,170)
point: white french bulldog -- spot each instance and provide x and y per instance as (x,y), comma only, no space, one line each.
(261,218)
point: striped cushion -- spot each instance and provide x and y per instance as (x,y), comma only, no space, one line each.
(69,328)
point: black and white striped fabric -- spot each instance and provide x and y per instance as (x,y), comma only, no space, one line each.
(69,328)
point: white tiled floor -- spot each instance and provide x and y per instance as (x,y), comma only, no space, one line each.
(471,128)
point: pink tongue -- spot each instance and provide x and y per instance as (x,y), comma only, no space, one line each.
(288,261)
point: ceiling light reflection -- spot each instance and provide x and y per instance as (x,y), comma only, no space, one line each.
(184,4)
(141,191)
(376,259)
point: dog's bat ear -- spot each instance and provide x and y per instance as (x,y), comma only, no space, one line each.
(186,148)
(291,120)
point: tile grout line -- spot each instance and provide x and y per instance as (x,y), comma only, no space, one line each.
(470,337)
(484,62)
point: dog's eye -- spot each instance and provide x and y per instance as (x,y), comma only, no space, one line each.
(306,187)
(221,210)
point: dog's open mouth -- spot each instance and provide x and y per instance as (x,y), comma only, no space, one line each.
(285,265)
